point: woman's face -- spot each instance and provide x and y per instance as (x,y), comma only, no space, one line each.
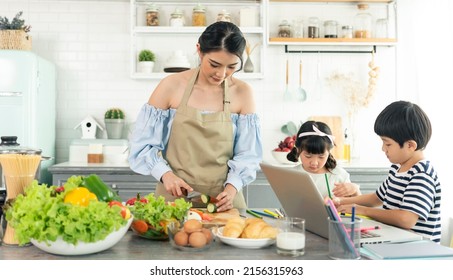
(219,65)
(314,163)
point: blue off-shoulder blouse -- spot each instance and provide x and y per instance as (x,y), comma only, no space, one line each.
(152,131)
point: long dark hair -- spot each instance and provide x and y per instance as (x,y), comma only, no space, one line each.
(313,144)
(223,36)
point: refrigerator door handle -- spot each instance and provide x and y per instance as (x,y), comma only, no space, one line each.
(10,93)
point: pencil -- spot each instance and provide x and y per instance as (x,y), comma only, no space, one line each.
(328,186)
(263,214)
(275,215)
(253,213)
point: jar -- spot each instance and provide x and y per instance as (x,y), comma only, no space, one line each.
(199,15)
(330,29)
(224,16)
(177,18)
(284,29)
(346,31)
(362,22)
(152,15)
(382,28)
(313,27)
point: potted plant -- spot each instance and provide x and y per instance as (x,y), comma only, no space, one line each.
(13,35)
(146,59)
(114,123)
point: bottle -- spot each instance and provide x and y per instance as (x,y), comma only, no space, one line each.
(313,27)
(152,15)
(346,147)
(330,29)
(284,29)
(177,18)
(362,22)
(224,15)
(199,15)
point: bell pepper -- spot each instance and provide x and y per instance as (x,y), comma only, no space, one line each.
(131,201)
(102,191)
(80,196)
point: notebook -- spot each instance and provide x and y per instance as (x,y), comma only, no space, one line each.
(424,249)
(300,197)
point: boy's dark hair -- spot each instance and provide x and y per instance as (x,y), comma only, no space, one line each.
(313,144)
(223,35)
(403,121)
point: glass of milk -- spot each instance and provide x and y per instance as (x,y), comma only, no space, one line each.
(291,237)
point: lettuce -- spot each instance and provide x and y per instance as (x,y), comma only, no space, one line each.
(41,214)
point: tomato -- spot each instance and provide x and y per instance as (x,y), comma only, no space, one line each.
(125,212)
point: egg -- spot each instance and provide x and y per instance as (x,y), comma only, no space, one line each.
(181,238)
(197,239)
(192,226)
(208,234)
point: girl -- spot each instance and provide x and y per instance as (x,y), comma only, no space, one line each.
(313,145)
(199,130)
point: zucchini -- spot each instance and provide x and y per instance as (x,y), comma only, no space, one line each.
(212,208)
(102,191)
(208,199)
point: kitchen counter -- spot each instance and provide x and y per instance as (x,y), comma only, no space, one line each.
(133,247)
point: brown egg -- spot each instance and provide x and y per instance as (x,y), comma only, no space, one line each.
(197,239)
(192,226)
(208,234)
(181,238)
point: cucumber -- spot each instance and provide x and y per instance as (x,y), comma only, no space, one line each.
(212,208)
(102,191)
(208,199)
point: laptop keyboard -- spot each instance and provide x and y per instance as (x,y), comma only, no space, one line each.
(368,234)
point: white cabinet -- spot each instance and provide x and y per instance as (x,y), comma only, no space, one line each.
(341,11)
(164,39)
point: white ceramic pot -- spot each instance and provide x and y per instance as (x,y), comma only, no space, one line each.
(145,66)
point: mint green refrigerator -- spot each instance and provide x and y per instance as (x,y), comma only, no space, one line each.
(28,103)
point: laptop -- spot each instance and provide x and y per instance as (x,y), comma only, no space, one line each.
(300,197)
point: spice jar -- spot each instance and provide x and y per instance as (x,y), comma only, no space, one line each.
(224,15)
(346,31)
(152,15)
(330,29)
(177,18)
(313,27)
(199,15)
(284,29)
(362,22)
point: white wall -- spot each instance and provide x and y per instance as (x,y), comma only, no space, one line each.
(89,43)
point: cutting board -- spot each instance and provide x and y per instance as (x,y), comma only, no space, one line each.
(335,124)
(221,218)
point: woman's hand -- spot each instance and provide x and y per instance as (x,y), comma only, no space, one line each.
(346,189)
(175,185)
(225,198)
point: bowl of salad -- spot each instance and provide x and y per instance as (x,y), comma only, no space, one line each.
(80,217)
(153,215)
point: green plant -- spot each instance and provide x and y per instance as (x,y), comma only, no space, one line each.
(15,24)
(146,55)
(114,113)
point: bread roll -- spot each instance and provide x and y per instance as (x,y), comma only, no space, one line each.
(234,227)
(257,228)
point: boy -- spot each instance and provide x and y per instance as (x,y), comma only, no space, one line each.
(410,196)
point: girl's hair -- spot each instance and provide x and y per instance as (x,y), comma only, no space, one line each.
(313,144)
(403,121)
(223,36)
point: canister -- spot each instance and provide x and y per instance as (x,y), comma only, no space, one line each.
(177,18)
(313,27)
(199,15)
(152,15)
(284,29)
(330,29)
(346,31)
(224,15)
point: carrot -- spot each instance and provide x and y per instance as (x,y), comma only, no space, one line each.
(198,211)
(140,226)
(206,217)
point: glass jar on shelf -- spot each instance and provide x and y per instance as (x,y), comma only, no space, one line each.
(362,22)
(199,15)
(177,18)
(346,31)
(152,15)
(382,28)
(284,29)
(330,29)
(313,27)
(224,15)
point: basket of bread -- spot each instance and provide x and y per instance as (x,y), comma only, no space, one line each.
(250,233)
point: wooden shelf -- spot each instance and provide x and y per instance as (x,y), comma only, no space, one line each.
(332,41)
(344,1)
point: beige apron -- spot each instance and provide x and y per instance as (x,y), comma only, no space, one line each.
(200,146)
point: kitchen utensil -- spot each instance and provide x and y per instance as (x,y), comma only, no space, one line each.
(301,93)
(287,94)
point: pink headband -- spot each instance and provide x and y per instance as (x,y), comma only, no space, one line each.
(317,132)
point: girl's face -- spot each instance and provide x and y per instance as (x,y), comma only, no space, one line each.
(314,163)
(218,66)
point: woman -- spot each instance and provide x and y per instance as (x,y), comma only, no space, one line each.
(199,130)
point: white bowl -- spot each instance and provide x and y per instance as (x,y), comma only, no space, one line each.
(280,157)
(61,247)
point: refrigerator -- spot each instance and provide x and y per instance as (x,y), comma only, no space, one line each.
(28,104)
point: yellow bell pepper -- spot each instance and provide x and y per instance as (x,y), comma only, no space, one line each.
(80,196)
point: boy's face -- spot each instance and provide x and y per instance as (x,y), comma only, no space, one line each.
(394,152)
